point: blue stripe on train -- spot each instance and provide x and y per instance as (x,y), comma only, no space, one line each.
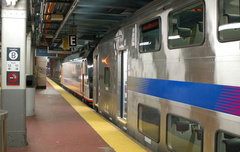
(209,96)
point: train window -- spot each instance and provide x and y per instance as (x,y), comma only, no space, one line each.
(186,26)
(229,20)
(107,76)
(184,134)
(149,121)
(226,142)
(150,36)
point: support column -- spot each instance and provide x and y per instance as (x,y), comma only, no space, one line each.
(29,54)
(14,19)
(30,88)
(41,72)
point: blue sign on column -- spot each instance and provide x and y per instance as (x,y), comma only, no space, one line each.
(13,54)
(13,66)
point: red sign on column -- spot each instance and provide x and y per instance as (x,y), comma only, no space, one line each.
(13,78)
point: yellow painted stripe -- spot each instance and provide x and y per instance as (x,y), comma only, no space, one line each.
(117,139)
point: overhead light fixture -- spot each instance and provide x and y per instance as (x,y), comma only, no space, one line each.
(56,17)
(49,36)
(73,27)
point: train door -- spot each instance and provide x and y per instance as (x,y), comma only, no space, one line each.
(96,78)
(83,75)
(81,78)
(123,84)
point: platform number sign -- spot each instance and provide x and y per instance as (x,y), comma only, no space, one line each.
(72,40)
(13,66)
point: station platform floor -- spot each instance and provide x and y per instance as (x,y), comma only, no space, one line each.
(62,123)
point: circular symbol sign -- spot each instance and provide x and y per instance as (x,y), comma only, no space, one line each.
(13,55)
(13,77)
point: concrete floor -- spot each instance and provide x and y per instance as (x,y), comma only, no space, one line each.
(57,127)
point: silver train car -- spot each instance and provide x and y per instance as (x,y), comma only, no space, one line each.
(77,74)
(169,76)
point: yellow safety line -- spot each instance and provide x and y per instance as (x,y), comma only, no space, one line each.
(118,140)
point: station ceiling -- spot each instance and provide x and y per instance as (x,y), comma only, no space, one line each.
(53,20)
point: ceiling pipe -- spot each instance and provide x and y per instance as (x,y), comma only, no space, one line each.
(48,17)
(49,10)
(73,6)
(32,16)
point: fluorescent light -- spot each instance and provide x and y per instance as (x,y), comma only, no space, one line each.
(174,37)
(145,43)
(229,26)
(11,1)
(90,66)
